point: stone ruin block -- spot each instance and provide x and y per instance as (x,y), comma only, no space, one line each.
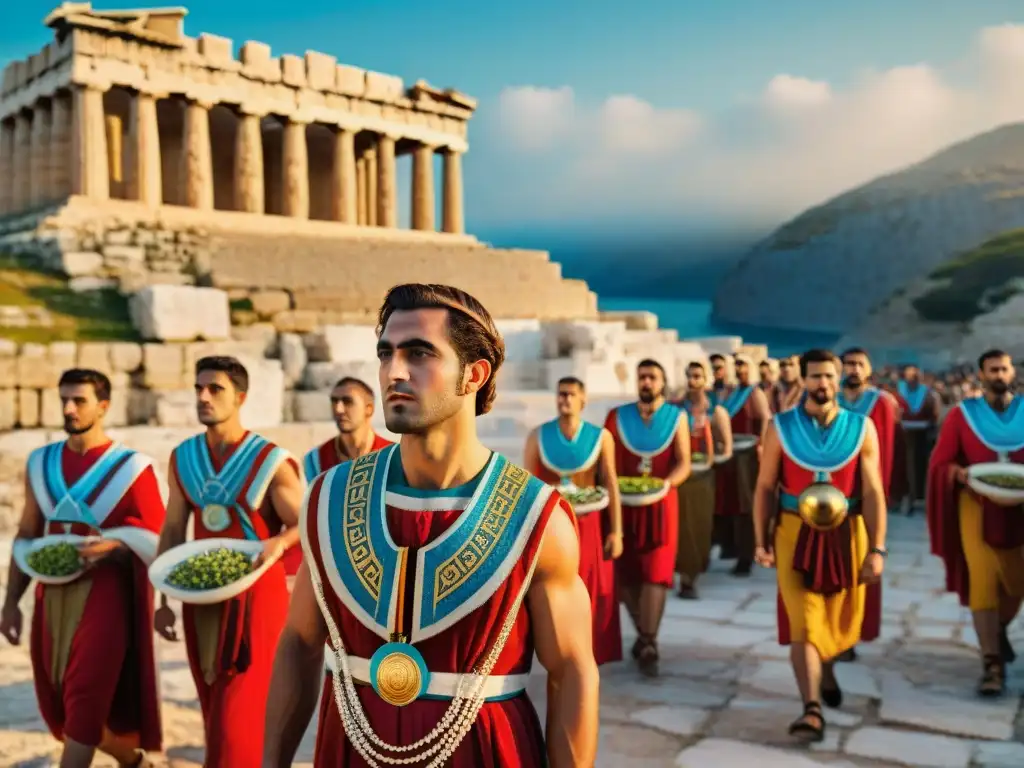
(351,343)
(524,339)
(293,70)
(255,54)
(264,404)
(215,49)
(350,81)
(381,87)
(181,313)
(320,71)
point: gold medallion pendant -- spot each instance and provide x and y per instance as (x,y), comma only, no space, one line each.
(822,506)
(398,673)
(216,517)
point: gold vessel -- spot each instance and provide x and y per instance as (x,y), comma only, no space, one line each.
(399,680)
(823,507)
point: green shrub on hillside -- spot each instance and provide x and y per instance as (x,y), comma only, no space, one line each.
(975,282)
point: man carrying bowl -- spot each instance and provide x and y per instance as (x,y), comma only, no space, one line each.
(975,511)
(572,454)
(92,639)
(652,440)
(820,471)
(235,485)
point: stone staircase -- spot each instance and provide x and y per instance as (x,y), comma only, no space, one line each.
(351,275)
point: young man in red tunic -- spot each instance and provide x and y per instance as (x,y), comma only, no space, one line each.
(237,485)
(920,410)
(860,396)
(651,438)
(435,568)
(352,402)
(571,453)
(92,639)
(749,414)
(821,573)
(981,542)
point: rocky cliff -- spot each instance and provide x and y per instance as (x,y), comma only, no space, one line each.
(832,265)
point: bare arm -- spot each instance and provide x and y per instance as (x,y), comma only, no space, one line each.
(173,534)
(762,411)
(871,483)
(610,480)
(31,526)
(767,485)
(721,428)
(531,452)
(681,471)
(560,611)
(286,494)
(295,684)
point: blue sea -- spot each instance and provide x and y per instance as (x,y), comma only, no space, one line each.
(692,319)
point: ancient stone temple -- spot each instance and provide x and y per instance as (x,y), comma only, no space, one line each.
(131,153)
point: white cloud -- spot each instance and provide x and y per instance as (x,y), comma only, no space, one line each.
(799,143)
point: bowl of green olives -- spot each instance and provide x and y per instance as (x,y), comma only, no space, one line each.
(52,559)
(641,491)
(208,571)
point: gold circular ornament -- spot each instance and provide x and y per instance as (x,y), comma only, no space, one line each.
(823,507)
(398,679)
(216,517)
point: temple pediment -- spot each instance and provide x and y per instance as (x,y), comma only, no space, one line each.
(161,26)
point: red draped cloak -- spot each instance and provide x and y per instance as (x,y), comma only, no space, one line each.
(728,501)
(650,534)
(234,705)
(507,733)
(111,677)
(1003,526)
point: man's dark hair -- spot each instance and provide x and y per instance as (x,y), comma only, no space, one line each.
(650,363)
(471,329)
(908,366)
(229,366)
(352,381)
(716,356)
(853,351)
(99,381)
(991,354)
(695,364)
(572,381)
(816,356)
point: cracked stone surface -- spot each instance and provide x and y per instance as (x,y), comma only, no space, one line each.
(726,694)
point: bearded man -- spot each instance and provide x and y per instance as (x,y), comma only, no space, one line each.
(980,542)
(768,370)
(710,438)
(821,573)
(93,660)
(435,569)
(234,484)
(788,389)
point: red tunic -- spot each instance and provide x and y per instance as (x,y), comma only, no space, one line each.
(957,444)
(929,413)
(234,705)
(111,678)
(650,534)
(727,486)
(327,456)
(507,733)
(598,573)
(794,479)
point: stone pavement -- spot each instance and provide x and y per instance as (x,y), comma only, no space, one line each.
(726,694)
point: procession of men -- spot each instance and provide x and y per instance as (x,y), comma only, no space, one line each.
(405,588)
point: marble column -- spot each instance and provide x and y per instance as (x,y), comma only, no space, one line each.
(454,217)
(6,166)
(371,186)
(249,191)
(343,177)
(387,197)
(361,193)
(22,181)
(114,127)
(145,166)
(423,204)
(198,157)
(62,141)
(42,153)
(89,172)
(295,165)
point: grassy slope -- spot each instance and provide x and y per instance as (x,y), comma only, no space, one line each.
(975,282)
(93,316)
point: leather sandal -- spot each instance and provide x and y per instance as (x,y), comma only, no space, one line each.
(648,659)
(805,726)
(993,679)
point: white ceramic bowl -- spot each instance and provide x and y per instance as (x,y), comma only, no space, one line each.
(25,547)
(593,506)
(743,442)
(643,499)
(162,567)
(1005,497)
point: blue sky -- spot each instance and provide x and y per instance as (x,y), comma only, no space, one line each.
(709,60)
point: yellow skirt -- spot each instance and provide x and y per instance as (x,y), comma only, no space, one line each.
(991,570)
(830,623)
